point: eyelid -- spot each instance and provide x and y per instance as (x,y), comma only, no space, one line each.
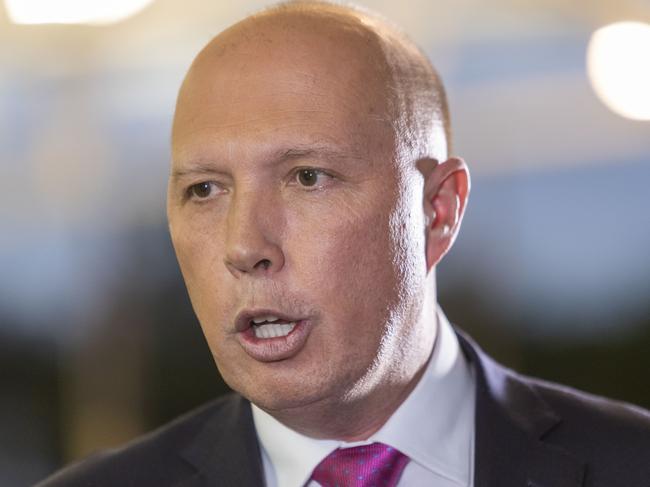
(189,196)
(296,171)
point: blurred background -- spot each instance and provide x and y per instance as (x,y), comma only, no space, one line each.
(98,342)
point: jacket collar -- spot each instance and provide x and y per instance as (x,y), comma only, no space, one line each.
(512,420)
(226,451)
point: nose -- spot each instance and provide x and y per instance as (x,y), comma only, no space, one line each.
(251,242)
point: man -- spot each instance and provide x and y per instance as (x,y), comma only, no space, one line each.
(311,197)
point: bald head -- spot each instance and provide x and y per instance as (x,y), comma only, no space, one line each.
(383,69)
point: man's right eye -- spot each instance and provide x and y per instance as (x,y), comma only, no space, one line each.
(202,190)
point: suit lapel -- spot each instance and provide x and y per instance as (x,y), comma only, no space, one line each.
(226,452)
(511,423)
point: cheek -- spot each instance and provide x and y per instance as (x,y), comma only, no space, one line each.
(197,250)
(348,261)
(196,239)
(374,259)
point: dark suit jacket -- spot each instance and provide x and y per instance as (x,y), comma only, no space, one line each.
(529,433)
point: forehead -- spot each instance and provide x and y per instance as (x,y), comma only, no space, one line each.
(304,77)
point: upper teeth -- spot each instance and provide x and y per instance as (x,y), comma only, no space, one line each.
(262,319)
(273,330)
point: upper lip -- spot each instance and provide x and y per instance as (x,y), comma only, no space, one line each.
(244,317)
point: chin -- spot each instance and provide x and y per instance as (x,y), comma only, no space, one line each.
(276,402)
(276,394)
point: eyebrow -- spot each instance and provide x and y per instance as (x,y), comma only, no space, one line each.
(198,167)
(318,151)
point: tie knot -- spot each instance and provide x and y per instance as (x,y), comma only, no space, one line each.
(360,466)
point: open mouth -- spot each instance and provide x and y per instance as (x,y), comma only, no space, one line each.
(268,335)
(271,326)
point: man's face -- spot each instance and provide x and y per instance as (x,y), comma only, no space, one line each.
(286,201)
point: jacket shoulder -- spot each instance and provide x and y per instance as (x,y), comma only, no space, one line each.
(594,416)
(612,436)
(153,459)
(548,434)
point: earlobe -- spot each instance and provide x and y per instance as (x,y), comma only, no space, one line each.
(446,191)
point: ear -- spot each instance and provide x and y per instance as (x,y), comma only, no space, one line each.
(446,189)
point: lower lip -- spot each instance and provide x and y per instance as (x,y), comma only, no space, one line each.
(277,348)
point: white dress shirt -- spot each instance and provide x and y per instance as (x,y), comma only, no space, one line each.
(434,427)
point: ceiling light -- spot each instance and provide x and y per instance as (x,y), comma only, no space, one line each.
(618,64)
(72,11)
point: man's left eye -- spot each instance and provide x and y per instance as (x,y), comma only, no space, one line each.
(310,177)
(201,191)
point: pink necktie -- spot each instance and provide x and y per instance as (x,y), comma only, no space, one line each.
(361,466)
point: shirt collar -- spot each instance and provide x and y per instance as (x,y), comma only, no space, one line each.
(434,426)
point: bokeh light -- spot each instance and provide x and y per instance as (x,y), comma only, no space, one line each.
(72,11)
(618,62)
